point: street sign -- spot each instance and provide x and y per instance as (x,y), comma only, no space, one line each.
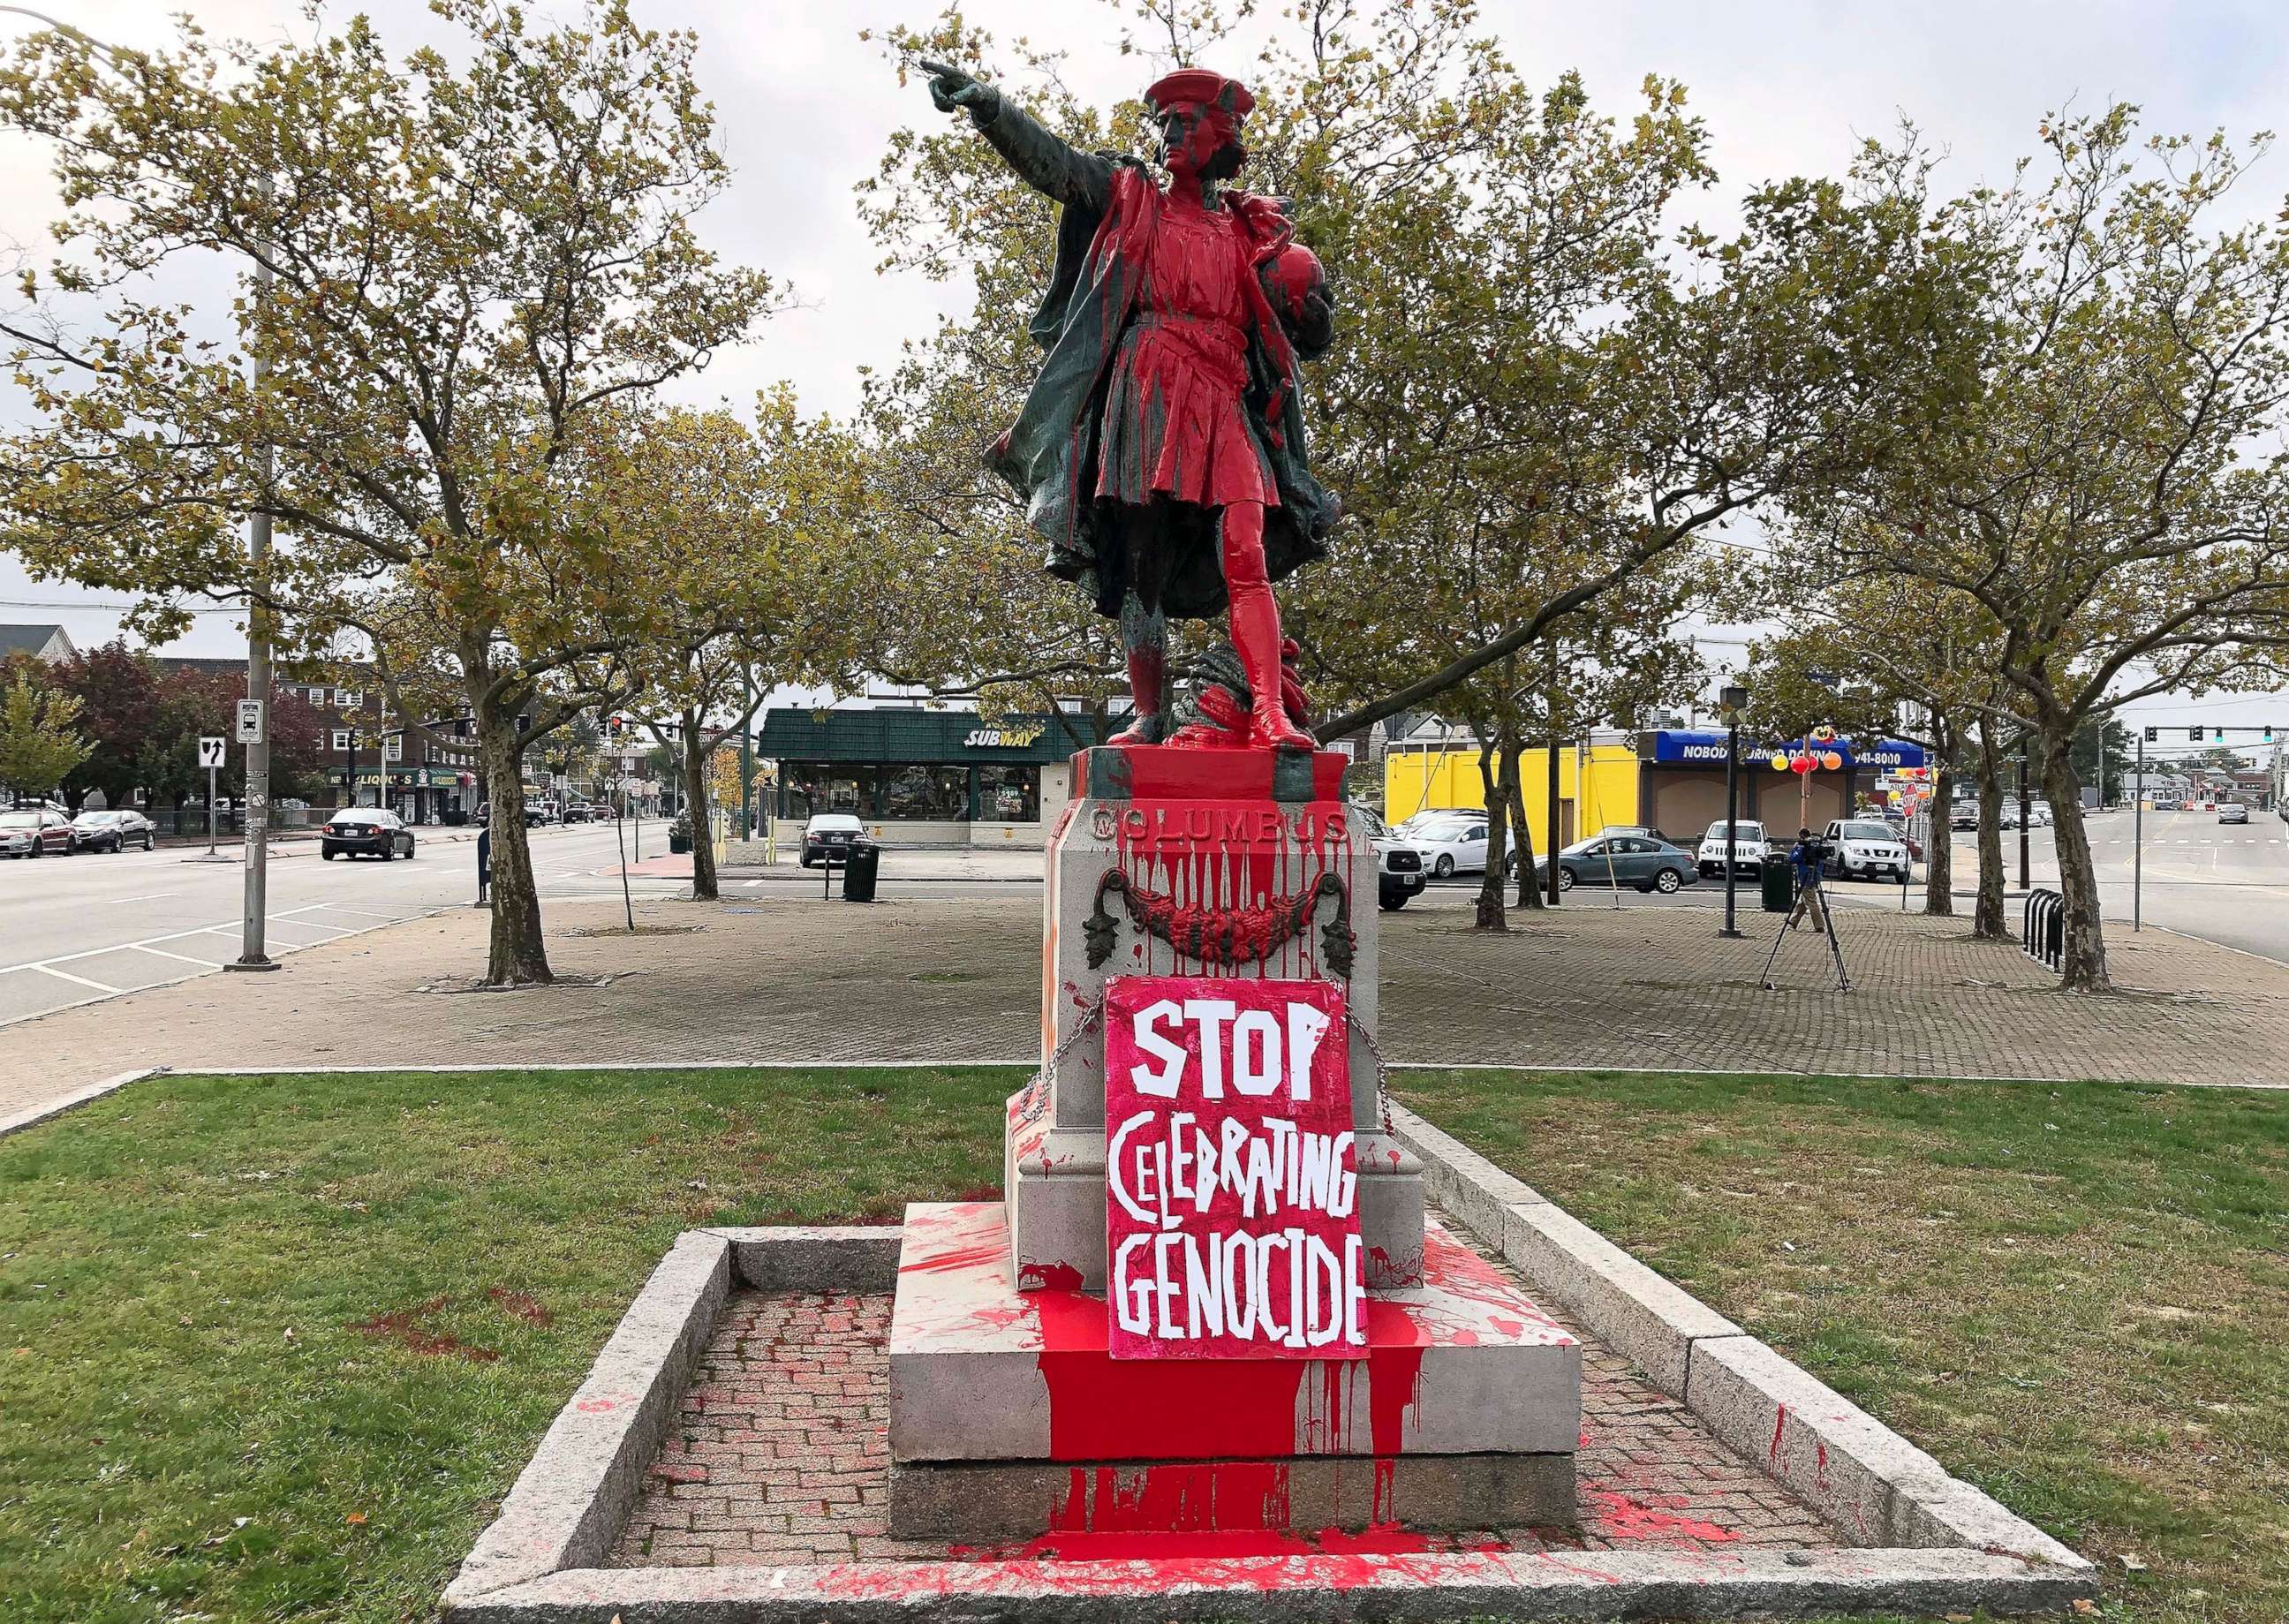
(249,721)
(211,751)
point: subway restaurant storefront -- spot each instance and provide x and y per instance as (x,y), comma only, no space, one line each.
(926,777)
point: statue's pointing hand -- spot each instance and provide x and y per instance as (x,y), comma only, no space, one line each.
(951,89)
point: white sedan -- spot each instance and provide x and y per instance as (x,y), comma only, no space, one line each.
(1451,846)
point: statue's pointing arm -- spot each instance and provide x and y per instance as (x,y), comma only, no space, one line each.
(1074,177)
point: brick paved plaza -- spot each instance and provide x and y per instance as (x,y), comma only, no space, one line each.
(953,974)
(782,1456)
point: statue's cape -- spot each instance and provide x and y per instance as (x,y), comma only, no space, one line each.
(1050,455)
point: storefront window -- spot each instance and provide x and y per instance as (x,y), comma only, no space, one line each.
(1009,795)
(925,794)
(829,786)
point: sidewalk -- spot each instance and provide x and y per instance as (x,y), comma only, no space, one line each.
(902,864)
(782,977)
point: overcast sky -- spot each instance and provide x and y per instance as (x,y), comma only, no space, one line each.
(1787,88)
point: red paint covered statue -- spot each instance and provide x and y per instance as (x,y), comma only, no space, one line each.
(1160,449)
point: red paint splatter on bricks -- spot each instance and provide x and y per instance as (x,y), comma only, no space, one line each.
(1623,1516)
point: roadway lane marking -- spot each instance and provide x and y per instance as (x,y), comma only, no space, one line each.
(345,908)
(161,953)
(150,896)
(49,969)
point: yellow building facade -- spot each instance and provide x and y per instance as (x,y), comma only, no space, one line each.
(1598,786)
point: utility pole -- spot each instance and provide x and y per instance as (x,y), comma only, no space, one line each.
(748,755)
(1735,699)
(2138,841)
(250,954)
(1553,842)
(2025,754)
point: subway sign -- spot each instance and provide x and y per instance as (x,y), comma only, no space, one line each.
(1681,747)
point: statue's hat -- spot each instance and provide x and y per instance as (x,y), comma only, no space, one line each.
(1200,87)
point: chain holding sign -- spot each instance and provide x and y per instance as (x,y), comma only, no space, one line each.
(1231,1191)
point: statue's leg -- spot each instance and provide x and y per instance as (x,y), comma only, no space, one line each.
(1256,627)
(1145,635)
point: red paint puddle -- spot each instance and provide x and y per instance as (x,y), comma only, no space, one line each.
(1620,1516)
(1053,1277)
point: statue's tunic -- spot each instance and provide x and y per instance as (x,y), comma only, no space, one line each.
(1174,422)
(1170,388)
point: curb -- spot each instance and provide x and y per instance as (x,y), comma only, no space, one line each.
(78,1096)
(1855,1471)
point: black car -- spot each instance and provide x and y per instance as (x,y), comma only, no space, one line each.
(368,830)
(829,836)
(113,830)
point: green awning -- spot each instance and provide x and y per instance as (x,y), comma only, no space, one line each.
(919,737)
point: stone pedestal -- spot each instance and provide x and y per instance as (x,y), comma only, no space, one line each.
(1009,1415)
(1009,1419)
(1213,835)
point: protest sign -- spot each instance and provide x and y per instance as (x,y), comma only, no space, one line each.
(1230,1195)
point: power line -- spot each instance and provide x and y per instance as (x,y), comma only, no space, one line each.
(117,609)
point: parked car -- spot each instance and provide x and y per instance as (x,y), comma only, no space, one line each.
(1863,848)
(2232,812)
(1398,865)
(827,837)
(1637,860)
(1749,849)
(2038,815)
(1455,844)
(36,832)
(113,830)
(373,830)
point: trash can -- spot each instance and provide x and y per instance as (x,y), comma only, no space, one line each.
(859,872)
(1780,886)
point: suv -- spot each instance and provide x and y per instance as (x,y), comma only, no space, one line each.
(1750,849)
(1864,848)
(1398,867)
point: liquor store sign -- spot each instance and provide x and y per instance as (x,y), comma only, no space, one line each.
(1232,1192)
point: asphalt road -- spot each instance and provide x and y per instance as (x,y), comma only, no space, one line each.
(80,929)
(2226,883)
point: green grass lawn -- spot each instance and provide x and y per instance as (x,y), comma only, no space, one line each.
(193,1422)
(2076,1296)
(274,1348)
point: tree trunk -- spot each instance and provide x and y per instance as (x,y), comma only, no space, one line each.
(1529,895)
(696,752)
(1987,913)
(2084,968)
(1939,834)
(516,956)
(1490,914)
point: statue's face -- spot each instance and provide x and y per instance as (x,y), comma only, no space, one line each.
(1190,137)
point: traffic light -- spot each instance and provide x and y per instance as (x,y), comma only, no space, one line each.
(2218,735)
(2153,735)
(2269,732)
(2194,735)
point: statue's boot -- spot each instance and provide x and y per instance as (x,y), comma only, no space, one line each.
(1256,629)
(1148,691)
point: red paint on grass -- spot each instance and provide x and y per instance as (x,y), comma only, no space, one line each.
(404,1327)
(522,1304)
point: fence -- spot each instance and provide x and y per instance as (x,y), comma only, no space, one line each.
(2043,934)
